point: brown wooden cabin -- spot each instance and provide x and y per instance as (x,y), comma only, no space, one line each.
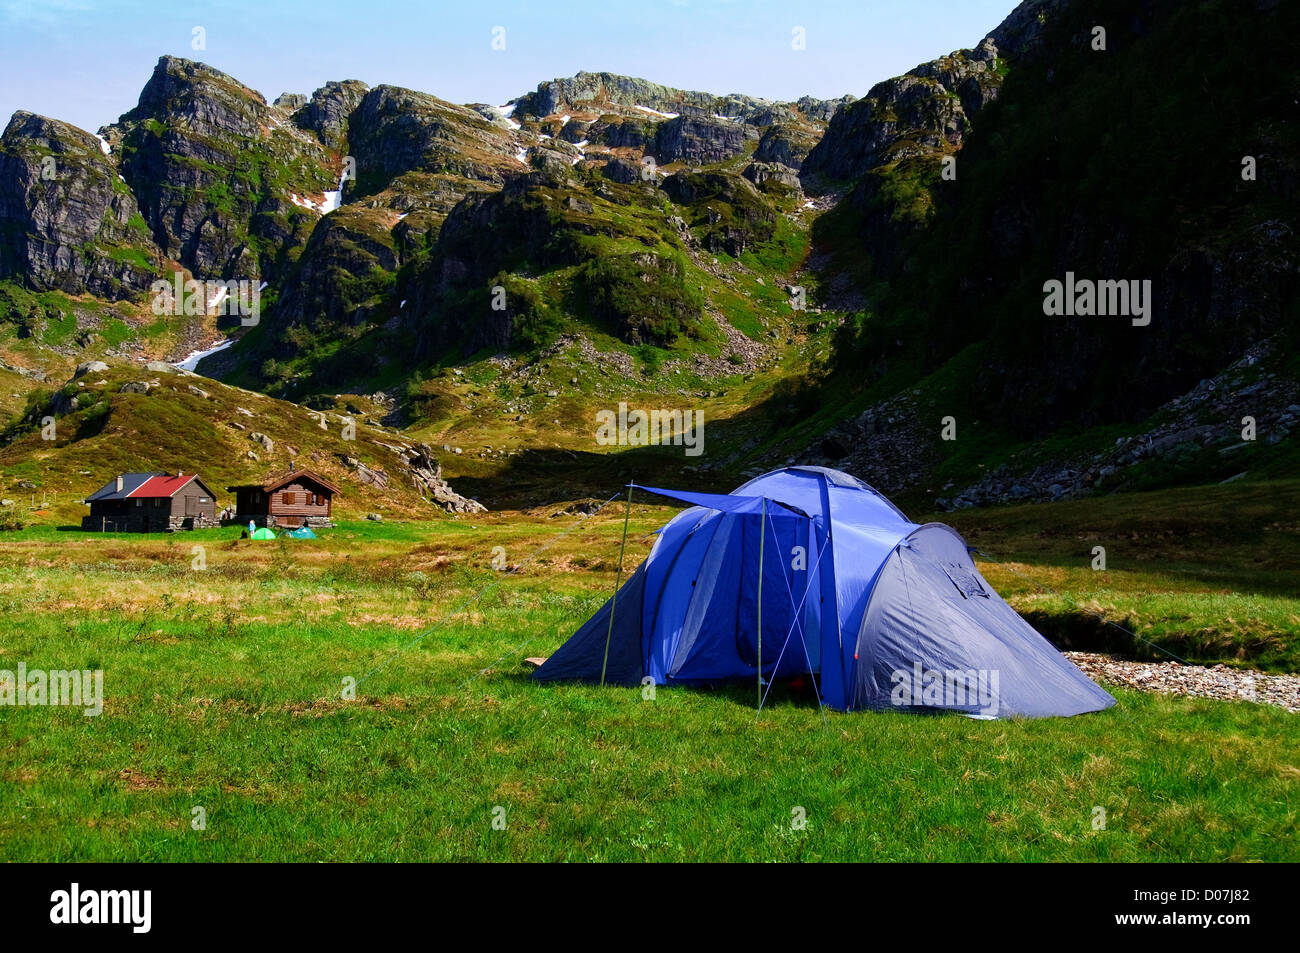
(293,499)
(151,503)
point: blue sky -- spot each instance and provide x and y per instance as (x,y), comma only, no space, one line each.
(85,62)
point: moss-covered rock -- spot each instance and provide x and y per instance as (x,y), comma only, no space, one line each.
(726,212)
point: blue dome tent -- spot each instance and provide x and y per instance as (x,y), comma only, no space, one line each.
(810,570)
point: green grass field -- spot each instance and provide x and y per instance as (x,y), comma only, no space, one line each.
(222,692)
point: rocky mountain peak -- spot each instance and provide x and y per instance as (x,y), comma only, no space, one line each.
(206,99)
(52,134)
(327,112)
(68,221)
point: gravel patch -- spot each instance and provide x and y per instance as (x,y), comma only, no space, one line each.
(1199,681)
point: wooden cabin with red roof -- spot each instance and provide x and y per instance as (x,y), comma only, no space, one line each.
(151,503)
(293,499)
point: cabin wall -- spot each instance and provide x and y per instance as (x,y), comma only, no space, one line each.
(150,514)
(193,505)
(292,505)
(301,503)
(251,507)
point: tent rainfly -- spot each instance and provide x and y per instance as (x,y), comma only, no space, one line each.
(810,570)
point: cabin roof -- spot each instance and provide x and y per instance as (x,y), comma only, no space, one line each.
(273,483)
(169,485)
(130,483)
(146,486)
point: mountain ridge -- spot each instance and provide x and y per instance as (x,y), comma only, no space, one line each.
(803,270)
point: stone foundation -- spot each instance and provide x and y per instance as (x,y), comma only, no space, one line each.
(261,519)
(144,522)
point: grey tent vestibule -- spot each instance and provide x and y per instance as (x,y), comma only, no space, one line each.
(810,570)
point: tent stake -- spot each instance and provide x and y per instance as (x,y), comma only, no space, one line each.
(762,538)
(613,603)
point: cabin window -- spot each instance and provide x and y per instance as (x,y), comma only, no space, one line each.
(157,502)
(139,502)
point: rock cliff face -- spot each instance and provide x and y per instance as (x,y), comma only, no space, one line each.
(787,143)
(697,136)
(67,221)
(393,131)
(324,197)
(328,111)
(620,132)
(727,213)
(927,110)
(575,93)
(531,220)
(329,289)
(217,171)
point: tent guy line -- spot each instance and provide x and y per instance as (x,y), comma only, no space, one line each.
(1097,615)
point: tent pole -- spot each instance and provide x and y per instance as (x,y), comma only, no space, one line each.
(613,602)
(762,539)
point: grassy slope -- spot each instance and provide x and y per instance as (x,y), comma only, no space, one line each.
(220,688)
(173,429)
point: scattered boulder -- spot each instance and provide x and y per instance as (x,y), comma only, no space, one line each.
(89,367)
